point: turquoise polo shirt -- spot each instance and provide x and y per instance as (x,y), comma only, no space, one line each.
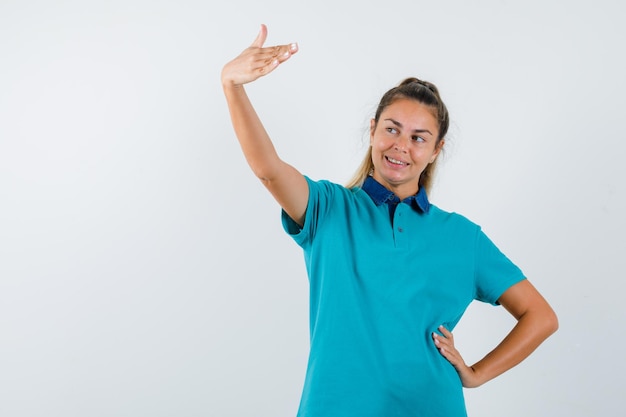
(383,276)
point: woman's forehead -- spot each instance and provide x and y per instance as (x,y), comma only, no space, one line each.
(409,111)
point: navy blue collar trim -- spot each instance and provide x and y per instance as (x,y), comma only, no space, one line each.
(380,195)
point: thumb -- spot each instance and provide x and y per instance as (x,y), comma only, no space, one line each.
(260,38)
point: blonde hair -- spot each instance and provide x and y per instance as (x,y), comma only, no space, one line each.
(425,93)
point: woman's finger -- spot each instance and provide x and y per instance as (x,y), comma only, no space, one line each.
(269,58)
(442,342)
(447,333)
(280,52)
(256,60)
(260,38)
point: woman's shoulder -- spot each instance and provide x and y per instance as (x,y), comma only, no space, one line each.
(453,217)
(330,187)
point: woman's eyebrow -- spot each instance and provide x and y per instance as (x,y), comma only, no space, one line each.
(397,123)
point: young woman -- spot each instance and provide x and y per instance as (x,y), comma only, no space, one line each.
(390,274)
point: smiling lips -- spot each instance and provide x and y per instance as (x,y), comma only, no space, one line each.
(395,161)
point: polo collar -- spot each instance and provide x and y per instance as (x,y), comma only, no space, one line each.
(381,195)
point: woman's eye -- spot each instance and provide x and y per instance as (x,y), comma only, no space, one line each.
(418,139)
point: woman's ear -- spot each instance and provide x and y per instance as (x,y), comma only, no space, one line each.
(438,149)
(372,128)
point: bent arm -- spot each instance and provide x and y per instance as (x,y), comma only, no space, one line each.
(536,321)
(287,185)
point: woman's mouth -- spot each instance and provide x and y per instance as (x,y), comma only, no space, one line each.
(395,161)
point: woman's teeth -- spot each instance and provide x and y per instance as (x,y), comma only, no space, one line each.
(395,161)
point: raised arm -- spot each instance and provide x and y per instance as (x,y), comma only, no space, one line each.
(287,185)
(536,321)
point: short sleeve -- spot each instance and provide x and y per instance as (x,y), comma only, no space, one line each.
(494,272)
(320,194)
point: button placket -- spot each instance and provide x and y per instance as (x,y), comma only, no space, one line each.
(399,225)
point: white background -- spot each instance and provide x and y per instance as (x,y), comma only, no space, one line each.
(143,269)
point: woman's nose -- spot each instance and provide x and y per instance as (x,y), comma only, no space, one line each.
(401,143)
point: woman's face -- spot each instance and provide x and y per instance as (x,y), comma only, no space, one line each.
(403,143)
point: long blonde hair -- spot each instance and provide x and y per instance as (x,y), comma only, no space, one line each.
(425,93)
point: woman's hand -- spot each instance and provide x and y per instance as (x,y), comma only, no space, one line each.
(445,344)
(256,61)
(535,322)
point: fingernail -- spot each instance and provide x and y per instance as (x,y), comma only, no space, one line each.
(293,47)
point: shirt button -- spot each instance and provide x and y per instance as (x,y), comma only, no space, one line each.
(400,229)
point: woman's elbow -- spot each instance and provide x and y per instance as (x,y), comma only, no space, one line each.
(550,321)
(555,322)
